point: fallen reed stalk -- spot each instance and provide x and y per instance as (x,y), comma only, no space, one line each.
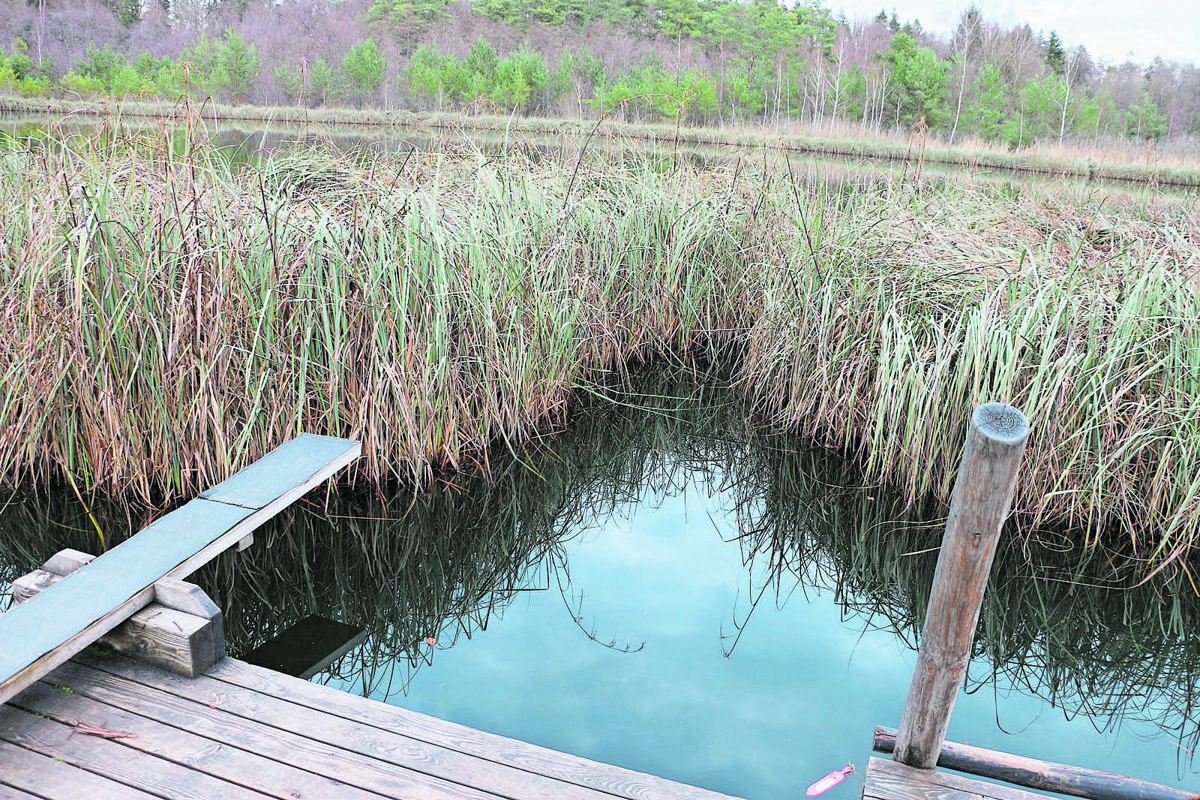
(169,316)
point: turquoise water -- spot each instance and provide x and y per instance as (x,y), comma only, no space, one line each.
(626,650)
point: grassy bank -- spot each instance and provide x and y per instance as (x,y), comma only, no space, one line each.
(1122,161)
(169,319)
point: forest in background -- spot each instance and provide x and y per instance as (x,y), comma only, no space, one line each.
(698,62)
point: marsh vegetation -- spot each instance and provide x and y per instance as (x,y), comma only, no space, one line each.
(168,314)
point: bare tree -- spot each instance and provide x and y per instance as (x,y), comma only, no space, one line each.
(963,45)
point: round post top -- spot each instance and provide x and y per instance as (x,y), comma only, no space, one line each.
(1001,423)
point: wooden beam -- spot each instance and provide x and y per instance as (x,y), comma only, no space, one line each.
(61,621)
(983,492)
(1044,775)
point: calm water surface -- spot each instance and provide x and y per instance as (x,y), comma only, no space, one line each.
(652,654)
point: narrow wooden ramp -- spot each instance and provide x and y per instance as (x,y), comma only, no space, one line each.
(889,780)
(113,728)
(62,620)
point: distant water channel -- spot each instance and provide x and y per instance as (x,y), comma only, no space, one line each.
(666,588)
(247,141)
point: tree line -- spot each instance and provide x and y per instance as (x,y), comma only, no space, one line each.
(700,62)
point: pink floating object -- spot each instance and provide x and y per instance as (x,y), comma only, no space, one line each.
(431,641)
(829,781)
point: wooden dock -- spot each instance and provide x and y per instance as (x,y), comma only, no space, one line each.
(891,780)
(115,728)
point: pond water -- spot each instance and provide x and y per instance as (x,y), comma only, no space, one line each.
(666,588)
(248,141)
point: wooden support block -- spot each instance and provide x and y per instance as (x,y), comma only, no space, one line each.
(186,597)
(182,631)
(245,544)
(177,642)
(27,586)
(64,562)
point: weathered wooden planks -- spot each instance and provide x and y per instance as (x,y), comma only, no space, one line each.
(531,758)
(11,793)
(205,756)
(352,733)
(890,780)
(55,779)
(46,631)
(291,747)
(1043,775)
(374,742)
(112,760)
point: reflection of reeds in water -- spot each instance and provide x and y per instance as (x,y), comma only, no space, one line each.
(1064,623)
(1079,627)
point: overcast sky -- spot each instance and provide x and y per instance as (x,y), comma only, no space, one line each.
(1113,30)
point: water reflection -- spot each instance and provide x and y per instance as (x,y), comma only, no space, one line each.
(252,141)
(1071,627)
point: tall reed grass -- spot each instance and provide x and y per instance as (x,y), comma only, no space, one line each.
(169,318)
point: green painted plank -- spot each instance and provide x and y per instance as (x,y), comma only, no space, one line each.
(59,622)
(287,465)
(120,580)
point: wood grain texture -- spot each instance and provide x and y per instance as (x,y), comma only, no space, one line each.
(1044,775)
(389,746)
(369,720)
(209,756)
(52,779)
(185,643)
(987,478)
(286,746)
(62,620)
(113,760)
(12,793)
(522,755)
(172,640)
(890,780)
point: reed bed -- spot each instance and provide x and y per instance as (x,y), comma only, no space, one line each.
(169,318)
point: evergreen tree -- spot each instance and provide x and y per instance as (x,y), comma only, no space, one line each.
(236,65)
(990,110)
(1056,56)
(919,79)
(1144,121)
(363,66)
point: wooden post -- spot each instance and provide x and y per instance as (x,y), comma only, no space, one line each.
(981,499)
